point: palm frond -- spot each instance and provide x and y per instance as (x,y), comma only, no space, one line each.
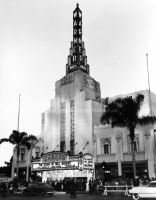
(6,140)
(139,100)
(146,120)
(123,112)
(23,135)
(27,144)
(33,137)
(114,113)
(15,136)
(29,139)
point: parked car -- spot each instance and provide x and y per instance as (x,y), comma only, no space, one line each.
(20,189)
(148,191)
(38,188)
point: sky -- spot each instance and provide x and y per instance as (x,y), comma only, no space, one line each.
(35,38)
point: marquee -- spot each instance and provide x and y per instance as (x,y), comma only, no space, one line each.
(53,161)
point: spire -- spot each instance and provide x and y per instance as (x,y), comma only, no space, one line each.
(77,60)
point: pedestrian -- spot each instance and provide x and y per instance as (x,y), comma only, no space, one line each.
(4,189)
(136,181)
(73,188)
(84,185)
(91,187)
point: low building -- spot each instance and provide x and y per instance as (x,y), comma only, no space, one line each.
(4,178)
(113,145)
(25,159)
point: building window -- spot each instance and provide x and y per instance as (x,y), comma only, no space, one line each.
(37,154)
(105,146)
(106,149)
(63,127)
(37,151)
(72,147)
(22,153)
(72,128)
(136,143)
(22,156)
(62,146)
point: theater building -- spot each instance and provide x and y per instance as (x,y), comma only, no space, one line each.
(73,143)
(68,124)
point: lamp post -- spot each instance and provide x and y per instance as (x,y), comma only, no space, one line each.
(44,151)
(56,147)
(85,146)
(17,167)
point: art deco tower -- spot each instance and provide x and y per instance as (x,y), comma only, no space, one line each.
(68,124)
(77,60)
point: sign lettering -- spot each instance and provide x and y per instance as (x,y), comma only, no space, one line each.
(81,58)
(75,40)
(80,31)
(75,24)
(75,31)
(80,15)
(74,58)
(75,14)
(77,60)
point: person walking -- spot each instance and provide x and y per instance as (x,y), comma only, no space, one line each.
(91,187)
(4,189)
(73,188)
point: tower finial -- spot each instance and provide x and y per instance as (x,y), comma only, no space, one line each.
(77,5)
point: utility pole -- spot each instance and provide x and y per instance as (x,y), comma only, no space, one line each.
(152,114)
(18,112)
(150,103)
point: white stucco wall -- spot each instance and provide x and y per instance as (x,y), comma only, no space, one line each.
(84,117)
(146,143)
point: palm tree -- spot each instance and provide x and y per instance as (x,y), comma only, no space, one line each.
(19,139)
(124,113)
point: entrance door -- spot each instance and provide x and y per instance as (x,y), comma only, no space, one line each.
(81,183)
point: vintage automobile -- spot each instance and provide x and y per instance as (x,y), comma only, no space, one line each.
(38,189)
(148,191)
(19,190)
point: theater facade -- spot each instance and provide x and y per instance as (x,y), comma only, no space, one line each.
(73,143)
(59,166)
(67,126)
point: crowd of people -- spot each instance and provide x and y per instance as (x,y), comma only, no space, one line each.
(71,185)
(65,184)
(11,187)
(129,181)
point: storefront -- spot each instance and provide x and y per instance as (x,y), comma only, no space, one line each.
(59,165)
(110,170)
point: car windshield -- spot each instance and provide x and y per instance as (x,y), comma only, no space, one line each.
(32,185)
(152,184)
(42,184)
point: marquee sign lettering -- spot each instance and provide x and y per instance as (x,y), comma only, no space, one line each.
(55,166)
(82,162)
(54,156)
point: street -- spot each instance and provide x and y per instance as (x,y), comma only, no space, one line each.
(67,197)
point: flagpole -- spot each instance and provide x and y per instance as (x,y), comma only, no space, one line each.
(18,112)
(149,86)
